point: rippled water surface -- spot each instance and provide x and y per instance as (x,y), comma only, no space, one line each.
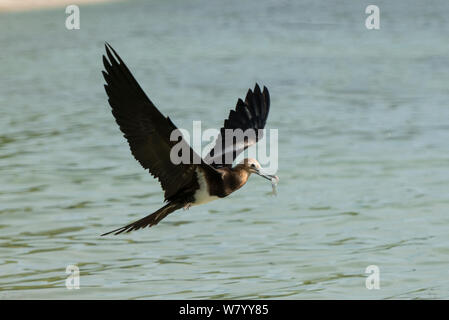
(363,119)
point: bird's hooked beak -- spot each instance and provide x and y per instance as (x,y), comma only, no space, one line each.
(264,175)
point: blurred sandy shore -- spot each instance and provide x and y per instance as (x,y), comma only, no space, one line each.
(20,5)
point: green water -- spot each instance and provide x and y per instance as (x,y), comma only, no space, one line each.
(363,123)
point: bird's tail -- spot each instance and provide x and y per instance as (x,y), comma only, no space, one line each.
(149,220)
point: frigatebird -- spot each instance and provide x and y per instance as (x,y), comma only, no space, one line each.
(148,132)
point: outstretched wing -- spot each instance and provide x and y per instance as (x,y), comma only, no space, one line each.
(145,128)
(249,114)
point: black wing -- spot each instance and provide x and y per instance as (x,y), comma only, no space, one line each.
(249,114)
(145,128)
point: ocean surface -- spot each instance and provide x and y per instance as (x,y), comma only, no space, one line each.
(363,125)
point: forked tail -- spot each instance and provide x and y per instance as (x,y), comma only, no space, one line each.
(149,220)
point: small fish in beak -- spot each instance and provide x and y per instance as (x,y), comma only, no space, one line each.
(273,179)
(274,183)
(254,167)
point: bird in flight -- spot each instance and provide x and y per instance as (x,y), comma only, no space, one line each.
(148,132)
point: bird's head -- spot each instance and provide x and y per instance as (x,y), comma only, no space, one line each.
(251,165)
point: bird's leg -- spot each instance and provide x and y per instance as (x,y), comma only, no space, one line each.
(187,206)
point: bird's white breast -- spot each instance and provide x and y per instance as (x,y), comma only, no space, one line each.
(202,194)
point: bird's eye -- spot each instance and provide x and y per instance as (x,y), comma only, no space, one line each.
(253,165)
